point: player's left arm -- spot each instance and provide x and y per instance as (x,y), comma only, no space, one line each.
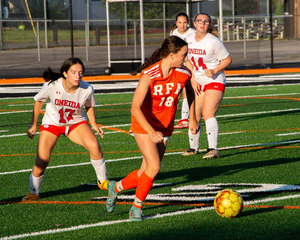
(90,112)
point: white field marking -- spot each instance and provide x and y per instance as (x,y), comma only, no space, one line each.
(267,89)
(262,85)
(115,126)
(162,198)
(112,104)
(113,132)
(177,132)
(4,130)
(268,95)
(271,199)
(248,188)
(13,135)
(176,213)
(259,144)
(231,133)
(21,111)
(166,154)
(285,76)
(287,134)
(16,105)
(264,112)
(200,193)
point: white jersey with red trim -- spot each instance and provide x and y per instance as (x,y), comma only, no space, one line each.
(65,109)
(183,36)
(206,54)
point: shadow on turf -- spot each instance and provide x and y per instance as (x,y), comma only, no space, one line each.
(259,148)
(201,173)
(60,192)
(257,211)
(192,175)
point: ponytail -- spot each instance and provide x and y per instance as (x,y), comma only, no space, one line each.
(50,76)
(171,44)
(156,56)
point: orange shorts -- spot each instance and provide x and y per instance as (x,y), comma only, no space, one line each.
(212,86)
(56,130)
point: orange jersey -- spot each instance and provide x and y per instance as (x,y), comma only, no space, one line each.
(160,104)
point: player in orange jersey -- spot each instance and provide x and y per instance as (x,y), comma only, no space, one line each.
(153,112)
(66,96)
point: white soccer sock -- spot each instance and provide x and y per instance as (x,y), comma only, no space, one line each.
(35,184)
(212,131)
(185,109)
(194,140)
(100,168)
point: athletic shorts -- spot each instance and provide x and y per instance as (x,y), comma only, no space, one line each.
(57,131)
(166,138)
(212,86)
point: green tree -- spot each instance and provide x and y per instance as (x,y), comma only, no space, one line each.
(151,10)
(247,7)
(279,7)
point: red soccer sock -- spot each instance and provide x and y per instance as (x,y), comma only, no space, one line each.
(143,187)
(130,181)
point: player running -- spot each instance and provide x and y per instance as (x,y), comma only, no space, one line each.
(152,118)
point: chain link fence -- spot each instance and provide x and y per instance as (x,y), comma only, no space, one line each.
(42,28)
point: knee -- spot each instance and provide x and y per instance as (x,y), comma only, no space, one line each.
(93,146)
(95,150)
(207,115)
(152,171)
(41,163)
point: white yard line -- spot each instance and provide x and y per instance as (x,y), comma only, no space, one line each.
(287,134)
(170,214)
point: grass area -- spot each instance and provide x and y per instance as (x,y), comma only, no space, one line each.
(259,142)
(28,36)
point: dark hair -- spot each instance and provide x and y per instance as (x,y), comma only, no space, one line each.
(171,44)
(210,29)
(181,14)
(50,76)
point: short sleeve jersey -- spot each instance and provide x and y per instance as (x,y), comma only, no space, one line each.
(206,54)
(183,36)
(63,108)
(160,103)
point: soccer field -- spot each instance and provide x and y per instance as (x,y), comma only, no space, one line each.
(259,142)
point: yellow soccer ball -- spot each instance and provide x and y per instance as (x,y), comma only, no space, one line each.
(228,203)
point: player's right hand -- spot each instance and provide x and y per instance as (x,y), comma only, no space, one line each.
(156,137)
(31,131)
